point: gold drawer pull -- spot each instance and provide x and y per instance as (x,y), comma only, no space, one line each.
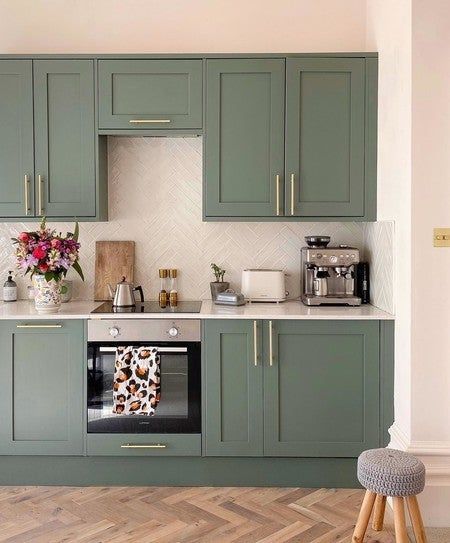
(27,194)
(270,343)
(39,326)
(277,181)
(292,193)
(255,342)
(40,195)
(143,446)
(143,121)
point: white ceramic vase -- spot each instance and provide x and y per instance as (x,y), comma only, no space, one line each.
(47,294)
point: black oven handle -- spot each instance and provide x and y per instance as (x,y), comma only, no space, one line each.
(161,350)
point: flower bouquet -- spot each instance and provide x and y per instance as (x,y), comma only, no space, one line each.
(48,257)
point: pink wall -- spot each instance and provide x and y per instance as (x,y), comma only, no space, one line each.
(80,26)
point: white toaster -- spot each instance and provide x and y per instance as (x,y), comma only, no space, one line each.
(263,285)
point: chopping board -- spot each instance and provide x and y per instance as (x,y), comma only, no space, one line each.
(113,260)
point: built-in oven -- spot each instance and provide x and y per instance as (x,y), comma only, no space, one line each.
(177,345)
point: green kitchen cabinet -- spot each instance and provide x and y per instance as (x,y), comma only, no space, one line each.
(233,422)
(244,142)
(16,138)
(64,138)
(321,388)
(150,94)
(42,373)
(325,101)
(292,388)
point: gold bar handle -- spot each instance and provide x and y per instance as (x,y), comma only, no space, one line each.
(255,342)
(143,446)
(39,326)
(292,193)
(150,121)
(277,181)
(270,343)
(26,180)
(40,187)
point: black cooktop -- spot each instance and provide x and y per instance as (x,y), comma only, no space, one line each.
(150,307)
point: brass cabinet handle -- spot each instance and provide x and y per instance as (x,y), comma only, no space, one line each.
(143,446)
(39,326)
(277,181)
(26,180)
(255,342)
(292,193)
(40,186)
(144,121)
(270,343)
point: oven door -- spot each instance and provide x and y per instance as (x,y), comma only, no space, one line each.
(178,411)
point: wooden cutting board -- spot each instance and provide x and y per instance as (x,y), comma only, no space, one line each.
(113,260)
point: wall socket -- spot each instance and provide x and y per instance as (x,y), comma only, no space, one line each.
(441,237)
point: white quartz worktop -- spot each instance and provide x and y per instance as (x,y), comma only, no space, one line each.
(286,310)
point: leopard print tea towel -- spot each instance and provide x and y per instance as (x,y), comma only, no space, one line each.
(137,381)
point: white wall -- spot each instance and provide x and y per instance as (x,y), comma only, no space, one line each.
(75,26)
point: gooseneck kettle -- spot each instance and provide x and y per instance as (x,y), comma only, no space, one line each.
(123,295)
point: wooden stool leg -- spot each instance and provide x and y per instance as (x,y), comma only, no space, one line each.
(364,517)
(416,519)
(378,513)
(401,535)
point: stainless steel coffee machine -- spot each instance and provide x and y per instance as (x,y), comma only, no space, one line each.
(328,273)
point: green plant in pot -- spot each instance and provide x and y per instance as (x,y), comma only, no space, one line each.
(219,285)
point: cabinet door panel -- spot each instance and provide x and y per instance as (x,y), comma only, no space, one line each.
(16,138)
(244,145)
(325,137)
(233,389)
(65,137)
(322,391)
(42,397)
(169,91)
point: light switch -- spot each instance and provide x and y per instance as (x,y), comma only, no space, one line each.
(441,237)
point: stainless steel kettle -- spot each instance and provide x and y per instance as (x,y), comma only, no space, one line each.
(123,295)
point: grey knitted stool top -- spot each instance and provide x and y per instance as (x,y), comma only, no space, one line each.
(391,473)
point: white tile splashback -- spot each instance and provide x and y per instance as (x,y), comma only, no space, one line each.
(155,199)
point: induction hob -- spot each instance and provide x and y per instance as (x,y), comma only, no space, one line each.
(150,307)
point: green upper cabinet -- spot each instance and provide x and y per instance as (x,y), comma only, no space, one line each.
(233,388)
(150,94)
(64,130)
(42,374)
(321,388)
(325,110)
(16,138)
(244,142)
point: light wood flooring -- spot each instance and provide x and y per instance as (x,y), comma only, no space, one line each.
(184,515)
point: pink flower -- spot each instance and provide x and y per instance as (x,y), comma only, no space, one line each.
(39,253)
(43,268)
(24,237)
(55,243)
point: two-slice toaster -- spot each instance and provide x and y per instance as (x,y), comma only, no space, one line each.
(260,285)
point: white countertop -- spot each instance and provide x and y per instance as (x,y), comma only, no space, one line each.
(286,310)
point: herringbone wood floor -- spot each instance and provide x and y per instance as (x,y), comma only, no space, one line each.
(188,515)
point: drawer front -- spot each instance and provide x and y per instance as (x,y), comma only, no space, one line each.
(150,94)
(144,445)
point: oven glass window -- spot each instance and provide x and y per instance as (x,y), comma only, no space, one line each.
(178,410)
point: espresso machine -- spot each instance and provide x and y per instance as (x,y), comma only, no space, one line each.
(328,273)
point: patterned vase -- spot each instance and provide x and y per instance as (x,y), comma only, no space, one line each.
(47,294)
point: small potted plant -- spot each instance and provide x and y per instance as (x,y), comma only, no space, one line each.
(219,285)
(48,257)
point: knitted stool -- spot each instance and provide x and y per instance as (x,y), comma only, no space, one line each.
(396,474)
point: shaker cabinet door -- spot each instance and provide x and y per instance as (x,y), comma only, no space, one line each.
(64,138)
(16,139)
(42,375)
(244,146)
(325,131)
(233,388)
(150,94)
(321,389)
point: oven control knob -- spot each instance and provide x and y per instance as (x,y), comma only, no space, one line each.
(173,332)
(114,331)
(333,259)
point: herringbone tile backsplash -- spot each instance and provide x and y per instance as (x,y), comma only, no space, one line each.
(155,187)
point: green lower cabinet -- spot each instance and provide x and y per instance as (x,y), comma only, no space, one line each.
(233,388)
(321,393)
(42,373)
(309,389)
